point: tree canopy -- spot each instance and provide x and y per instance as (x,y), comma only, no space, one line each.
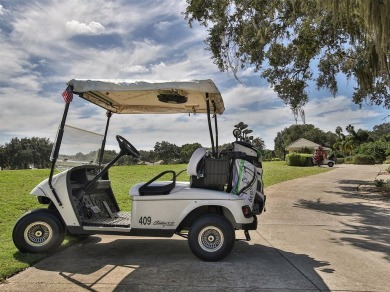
(288,41)
(26,152)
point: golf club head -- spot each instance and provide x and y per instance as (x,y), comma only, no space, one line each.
(243,126)
(237,133)
(239,125)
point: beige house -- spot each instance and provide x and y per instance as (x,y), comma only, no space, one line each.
(301,144)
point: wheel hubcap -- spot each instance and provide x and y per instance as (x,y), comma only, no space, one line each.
(211,239)
(38,233)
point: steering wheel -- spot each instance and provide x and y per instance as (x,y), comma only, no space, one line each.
(126,146)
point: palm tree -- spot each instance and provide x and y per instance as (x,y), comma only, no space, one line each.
(349,145)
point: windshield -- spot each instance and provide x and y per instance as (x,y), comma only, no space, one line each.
(78,147)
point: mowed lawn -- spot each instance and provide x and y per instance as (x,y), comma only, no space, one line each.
(16,185)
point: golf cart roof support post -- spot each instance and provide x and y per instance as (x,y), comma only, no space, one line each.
(101,155)
(60,134)
(209,122)
(216,128)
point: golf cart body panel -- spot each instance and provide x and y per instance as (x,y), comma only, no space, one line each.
(225,192)
(180,203)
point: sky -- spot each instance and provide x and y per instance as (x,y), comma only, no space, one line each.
(44,44)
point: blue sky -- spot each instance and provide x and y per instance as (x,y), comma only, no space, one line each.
(44,44)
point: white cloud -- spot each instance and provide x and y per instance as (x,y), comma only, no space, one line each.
(163,26)
(2,10)
(135,69)
(329,112)
(25,113)
(246,96)
(92,27)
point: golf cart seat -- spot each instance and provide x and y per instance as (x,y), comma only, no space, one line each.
(154,187)
(196,158)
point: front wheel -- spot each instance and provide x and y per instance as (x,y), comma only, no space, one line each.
(211,237)
(39,231)
(330,164)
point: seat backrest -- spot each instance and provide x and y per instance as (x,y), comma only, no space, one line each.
(194,161)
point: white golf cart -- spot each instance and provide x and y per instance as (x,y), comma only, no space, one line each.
(225,192)
(329,162)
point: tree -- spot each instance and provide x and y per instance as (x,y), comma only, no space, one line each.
(166,151)
(109,155)
(259,143)
(285,39)
(148,156)
(26,152)
(347,143)
(380,131)
(357,137)
(186,151)
(3,157)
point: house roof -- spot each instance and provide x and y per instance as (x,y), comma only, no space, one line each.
(303,143)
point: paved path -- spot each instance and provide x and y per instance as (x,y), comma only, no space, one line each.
(317,235)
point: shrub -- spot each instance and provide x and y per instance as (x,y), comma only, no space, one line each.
(388,169)
(296,159)
(348,160)
(379,182)
(276,159)
(340,160)
(363,159)
(378,149)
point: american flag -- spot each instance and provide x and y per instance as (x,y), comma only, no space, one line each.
(68,94)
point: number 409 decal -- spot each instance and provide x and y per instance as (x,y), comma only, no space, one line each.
(145,220)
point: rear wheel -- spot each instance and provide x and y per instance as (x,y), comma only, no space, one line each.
(211,237)
(39,231)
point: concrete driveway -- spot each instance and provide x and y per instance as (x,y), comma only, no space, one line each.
(318,234)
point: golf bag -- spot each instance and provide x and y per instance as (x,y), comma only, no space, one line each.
(247,174)
(237,171)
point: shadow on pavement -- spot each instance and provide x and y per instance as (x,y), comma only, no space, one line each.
(369,230)
(168,264)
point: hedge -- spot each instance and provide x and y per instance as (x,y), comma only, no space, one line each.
(296,159)
(363,159)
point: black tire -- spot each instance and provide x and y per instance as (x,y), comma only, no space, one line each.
(211,237)
(38,231)
(330,164)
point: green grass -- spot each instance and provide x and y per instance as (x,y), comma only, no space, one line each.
(15,200)
(277,172)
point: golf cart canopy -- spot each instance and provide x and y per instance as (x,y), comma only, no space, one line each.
(140,97)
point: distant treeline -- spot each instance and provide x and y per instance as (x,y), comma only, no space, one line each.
(26,153)
(35,153)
